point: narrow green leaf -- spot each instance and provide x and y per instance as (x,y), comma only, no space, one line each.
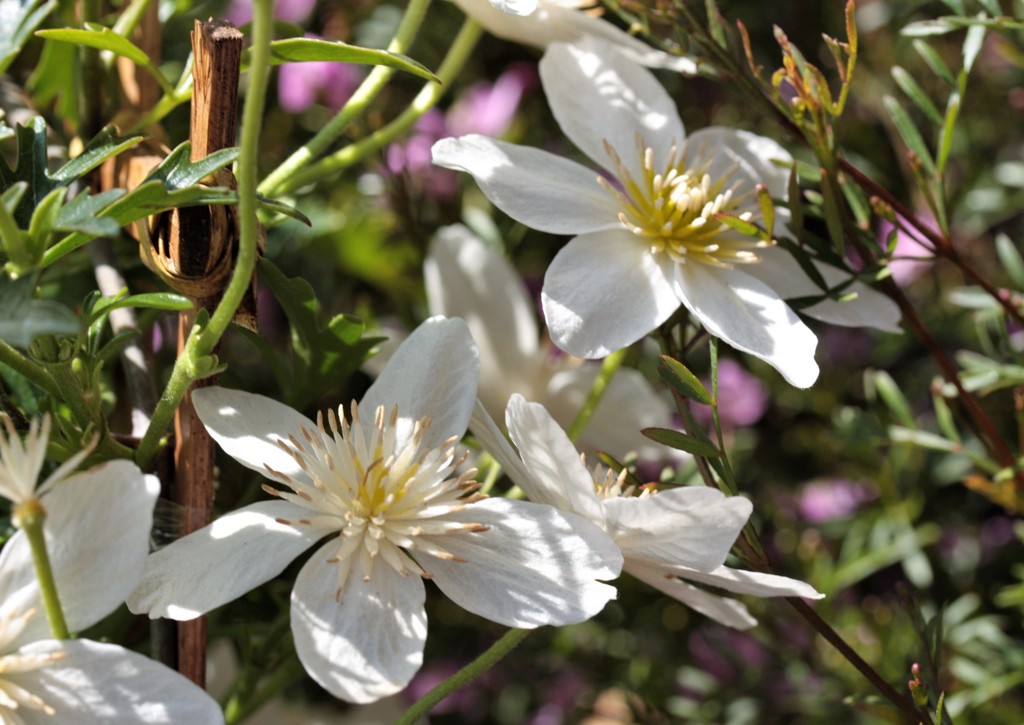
(301,50)
(916,94)
(991,6)
(909,133)
(178,172)
(100,38)
(13,194)
(106,144)
(973,41)
(957,6)
(82,214)
(946,134)
(893,397)
(279,207)
(935,62)
(148,300)
(683,381)
(943,413)
(715,23)
(682,442)
(43,220)
(922,28)
(832,212)
(20,18)
(743,227)
(1011,259)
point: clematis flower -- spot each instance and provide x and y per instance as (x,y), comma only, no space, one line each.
(539,23)
(466,278)
(96,530)
(382,492)
(668,538)
(97,536)
(649,238)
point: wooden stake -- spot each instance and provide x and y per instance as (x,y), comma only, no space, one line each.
(218,49)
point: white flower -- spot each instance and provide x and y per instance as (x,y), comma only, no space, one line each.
(96,529)
(382,489)
(466,278)
(666,537)
(648,240)
(539,23)
(21,461)
(97,536)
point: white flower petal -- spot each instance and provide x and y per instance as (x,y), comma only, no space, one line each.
(692,526)
(104,683)
(575,25)
(248,427)
(466,278)
(871,308)
(749,315)
(433,373)
(364,642)
(492,440)
(742,157)
(629,404)
(724,611)
(599,96)
(604,291)
(533,566)
(534,187)
(97,532)
(561,20)
(557,475)
(515,7)
(740,581)
(221,562)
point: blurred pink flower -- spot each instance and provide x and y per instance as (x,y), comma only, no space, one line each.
(239,12)
(742,397)
(483,108)
(827,499)
(904,268)
(300,85)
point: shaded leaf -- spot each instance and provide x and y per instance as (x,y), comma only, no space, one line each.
(682,442)
(300,50)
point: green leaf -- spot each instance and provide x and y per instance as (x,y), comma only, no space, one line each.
(715,25)
(1011,259)
(25,318)
(178,172)
(279,207)
(43,220)
(325,354)
(20,18)
(682,442)
(301,50)
(922,28)
(909,133)
(106,144)
(973,41)
(915,93)
(100,38)
(683,381)
(81,214)
(150,300)
(935,62)
(893,397)
(31,165)
(946,134)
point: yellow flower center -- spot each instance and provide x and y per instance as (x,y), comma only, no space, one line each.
(385,493)
(678,210)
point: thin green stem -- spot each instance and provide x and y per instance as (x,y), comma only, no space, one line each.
(280,177)
(29,516)
(240,707)
(609,366)
(194,360)
(28,370)
(464,676)
(426,99)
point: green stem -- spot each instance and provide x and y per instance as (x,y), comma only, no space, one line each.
(356,105)
(29,516)
(464,676)
(240,707)
(194,360)
(427,98)
(28,370)
(609,366)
